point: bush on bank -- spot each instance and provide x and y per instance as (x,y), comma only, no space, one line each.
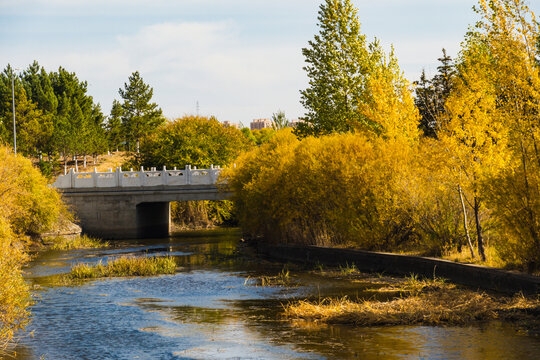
(27,207)
(346,189)
(365,191)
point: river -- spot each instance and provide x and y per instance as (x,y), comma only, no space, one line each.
(211,309)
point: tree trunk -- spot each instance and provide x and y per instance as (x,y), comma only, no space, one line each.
(84,161)
(465,222)
(479,236)
(137,146)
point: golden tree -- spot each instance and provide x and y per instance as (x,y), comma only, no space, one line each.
(510,31)
(492,125)
(387,103)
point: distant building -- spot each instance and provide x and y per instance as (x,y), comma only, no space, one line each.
(294,122)
(231,124)
(259,124)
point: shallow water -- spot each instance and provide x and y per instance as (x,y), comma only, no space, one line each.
(208,310)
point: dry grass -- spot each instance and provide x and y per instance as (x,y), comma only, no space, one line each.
(116,159)
(104,162)
(79,242)
(125,266)
(281,279)
(421,302)
(492,258)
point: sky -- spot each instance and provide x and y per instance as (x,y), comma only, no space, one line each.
(238,59)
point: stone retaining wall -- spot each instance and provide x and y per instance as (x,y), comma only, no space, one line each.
(472,275)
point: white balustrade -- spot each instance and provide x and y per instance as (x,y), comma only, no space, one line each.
(144,178)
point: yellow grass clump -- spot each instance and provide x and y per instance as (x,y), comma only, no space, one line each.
(281,279)
(420,303)
(79,242)
(125,266)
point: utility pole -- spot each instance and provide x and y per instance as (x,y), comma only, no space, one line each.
(13,98)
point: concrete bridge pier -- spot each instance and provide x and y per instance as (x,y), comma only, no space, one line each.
(120,217)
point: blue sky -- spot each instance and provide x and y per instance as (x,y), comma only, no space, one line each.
(240,59)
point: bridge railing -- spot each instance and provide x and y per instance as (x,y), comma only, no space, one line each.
(152,177)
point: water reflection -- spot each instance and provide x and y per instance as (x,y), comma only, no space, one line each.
(207,312)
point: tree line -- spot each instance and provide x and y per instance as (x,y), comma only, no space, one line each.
(457,166)
(56,117)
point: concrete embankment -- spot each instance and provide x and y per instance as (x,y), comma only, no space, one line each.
(472,275)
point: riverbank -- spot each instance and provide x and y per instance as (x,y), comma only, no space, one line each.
(216,308)
(475,276)
(421,298)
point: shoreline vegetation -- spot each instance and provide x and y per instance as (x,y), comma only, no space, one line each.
(28,207)
(412,301)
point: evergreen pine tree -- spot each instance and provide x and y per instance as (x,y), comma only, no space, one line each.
(98,139)
(443,80)
(6,109)
(140,116)
(114,126)
(76,113)
(338,61)
(38,86)
(34,128)
(431,95)
(424,100)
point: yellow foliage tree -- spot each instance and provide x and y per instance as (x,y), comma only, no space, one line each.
(388,104)
(371,188)
(27,206)
(493,129)
(334,189)
(472,130)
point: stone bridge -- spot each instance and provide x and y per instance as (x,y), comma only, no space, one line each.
(134,204)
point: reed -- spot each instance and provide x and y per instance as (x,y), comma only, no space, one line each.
(125,266)
(349,269)
(281,279)
(79,242)
(420,302)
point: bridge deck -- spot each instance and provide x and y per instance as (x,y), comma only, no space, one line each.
(129,179)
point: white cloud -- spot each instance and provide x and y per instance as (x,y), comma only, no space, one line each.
(189,61)
(239,58)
